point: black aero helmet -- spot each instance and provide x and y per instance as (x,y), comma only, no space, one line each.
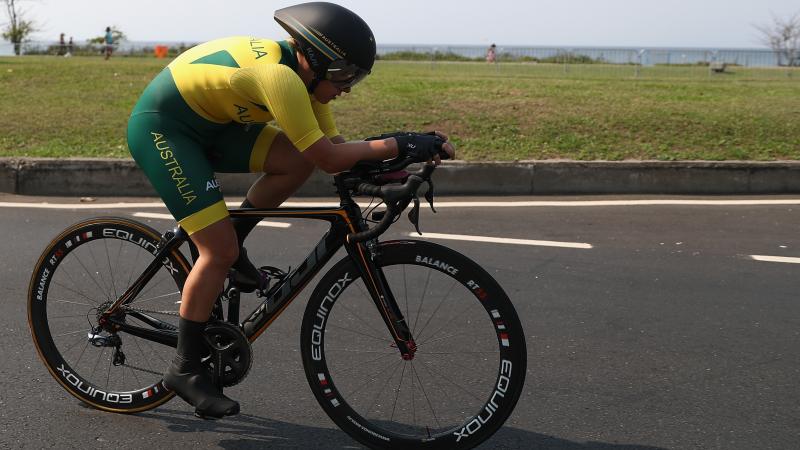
(338,45)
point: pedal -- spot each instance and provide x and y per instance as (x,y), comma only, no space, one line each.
(272,272)
(270,277)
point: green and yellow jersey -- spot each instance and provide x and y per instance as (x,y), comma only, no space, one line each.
(216,81)
(208,111)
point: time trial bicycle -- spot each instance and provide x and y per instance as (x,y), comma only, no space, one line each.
(405,343)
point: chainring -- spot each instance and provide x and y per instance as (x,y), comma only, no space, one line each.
(230,350)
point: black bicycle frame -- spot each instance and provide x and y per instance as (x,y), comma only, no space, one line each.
(343,220)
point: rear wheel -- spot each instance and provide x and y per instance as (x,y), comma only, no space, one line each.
(468,370)
(80,273)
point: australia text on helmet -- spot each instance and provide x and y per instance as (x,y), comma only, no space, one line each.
(329,42)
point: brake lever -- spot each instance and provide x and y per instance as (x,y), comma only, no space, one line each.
(413,215)
(429,194)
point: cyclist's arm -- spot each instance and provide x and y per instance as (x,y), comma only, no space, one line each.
(417,147)
(324,116)
(280,89)
(336,157)
(337,162)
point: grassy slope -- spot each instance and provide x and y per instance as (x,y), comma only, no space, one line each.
(79,107)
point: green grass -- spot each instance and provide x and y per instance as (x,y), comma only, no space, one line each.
(79,106)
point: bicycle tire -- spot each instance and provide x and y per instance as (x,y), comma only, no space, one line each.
(79,272)
(489,365)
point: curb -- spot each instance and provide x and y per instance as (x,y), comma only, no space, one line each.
(121,177)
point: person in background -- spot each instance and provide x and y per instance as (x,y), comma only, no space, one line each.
(69,48)
(62,46)
(491,54)
(109,40)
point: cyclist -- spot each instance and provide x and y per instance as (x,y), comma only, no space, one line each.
(208,111)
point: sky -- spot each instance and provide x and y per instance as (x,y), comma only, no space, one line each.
(624,23)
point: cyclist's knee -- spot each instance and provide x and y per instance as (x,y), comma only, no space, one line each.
(305,168)
(217,244)
(219,259)
(283,158)
(225,257)
(299,173)
(297,168)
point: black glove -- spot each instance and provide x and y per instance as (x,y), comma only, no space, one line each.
(419,147)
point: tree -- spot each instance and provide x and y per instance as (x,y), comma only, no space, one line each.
(783,37)
(18,29)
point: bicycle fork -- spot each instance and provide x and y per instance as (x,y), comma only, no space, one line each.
(384,300)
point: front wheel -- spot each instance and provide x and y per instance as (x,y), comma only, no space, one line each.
(468,370)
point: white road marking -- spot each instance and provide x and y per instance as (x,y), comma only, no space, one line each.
(584,203)
(777,259)
(169,217)
(495,240)
(45,205)
(579,203)
(453,204)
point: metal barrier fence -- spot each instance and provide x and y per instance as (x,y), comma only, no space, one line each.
(598,55)
(609,62)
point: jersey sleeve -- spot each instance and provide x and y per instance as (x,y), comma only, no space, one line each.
(280,89)
(324,116)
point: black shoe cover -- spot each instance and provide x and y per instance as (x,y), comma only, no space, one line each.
(193,384)
(246,277)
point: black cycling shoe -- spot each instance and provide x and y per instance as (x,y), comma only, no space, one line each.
(193,384)
(245,275)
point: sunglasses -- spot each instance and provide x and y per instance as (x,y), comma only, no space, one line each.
(345,75)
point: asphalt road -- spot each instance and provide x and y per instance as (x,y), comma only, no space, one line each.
(666,333)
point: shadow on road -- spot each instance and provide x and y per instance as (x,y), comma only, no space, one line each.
(245,432)
(514,438)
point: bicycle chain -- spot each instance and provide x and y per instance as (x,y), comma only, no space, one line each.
(142,369)
(152,311)
(166,313)
(160,374)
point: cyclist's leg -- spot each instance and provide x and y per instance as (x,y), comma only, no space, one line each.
(173,160)
(285,170)
(261,149)
(266,149)
(216,245)
(176,165)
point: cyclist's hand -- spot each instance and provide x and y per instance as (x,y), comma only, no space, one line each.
(448,150)
(427,147)
(443,148)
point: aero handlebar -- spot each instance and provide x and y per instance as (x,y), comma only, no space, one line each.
(396,198)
